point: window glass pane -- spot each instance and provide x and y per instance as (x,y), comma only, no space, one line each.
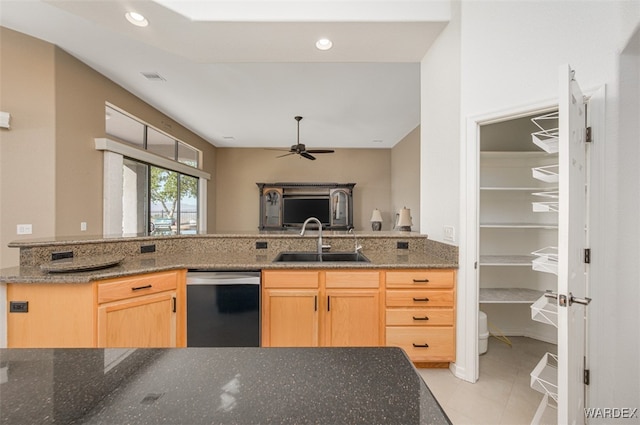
(124,127)
(188,205)
(188,155)
(134,197)
(161,144)
(164,201)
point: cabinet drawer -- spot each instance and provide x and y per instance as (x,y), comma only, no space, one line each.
(419,317)
(290,279)
(431,278)
(124,288)
(427,298)
(352,279)
(425,343)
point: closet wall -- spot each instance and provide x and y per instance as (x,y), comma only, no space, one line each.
(518,225)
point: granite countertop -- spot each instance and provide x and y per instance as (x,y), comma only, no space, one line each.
(104,259)
(221,261)
(214,386)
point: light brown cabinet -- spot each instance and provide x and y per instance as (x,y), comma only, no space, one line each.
(140,311)
(321,308)
(420,313)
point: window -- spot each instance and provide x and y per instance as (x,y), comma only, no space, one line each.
(152,183)
(130,130)
(174,202)
(124,127)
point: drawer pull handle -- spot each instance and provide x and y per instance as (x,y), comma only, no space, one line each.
(420,280)
(421,299)
(141,287)
(421,318)
(425,345)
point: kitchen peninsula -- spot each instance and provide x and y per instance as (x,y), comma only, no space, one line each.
(408,280)
(233,251)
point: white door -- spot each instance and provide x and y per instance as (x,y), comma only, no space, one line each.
(572,241)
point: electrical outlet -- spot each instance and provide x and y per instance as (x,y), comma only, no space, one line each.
(144,249)
(449,233)
(261,245)
(24,229)
(402,245)
(61,255)
(83,226)
(18,306)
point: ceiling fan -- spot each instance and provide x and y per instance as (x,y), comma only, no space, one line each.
(301,149)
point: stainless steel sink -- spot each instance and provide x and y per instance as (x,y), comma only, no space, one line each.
(325,257)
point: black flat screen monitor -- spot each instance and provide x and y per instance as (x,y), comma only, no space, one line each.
(297,210)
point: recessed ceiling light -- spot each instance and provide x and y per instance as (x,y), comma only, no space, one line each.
(324,44)
(153,76)
(136,19)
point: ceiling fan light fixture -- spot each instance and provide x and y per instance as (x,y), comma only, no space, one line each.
(324,44)
(301,149)
(136,19)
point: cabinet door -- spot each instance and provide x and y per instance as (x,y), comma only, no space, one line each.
(272,207)
(146,321)
(60,315)
(424,344)
(352,318)
(290,318)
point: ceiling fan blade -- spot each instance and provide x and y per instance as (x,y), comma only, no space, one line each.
(320,150)
(277,149)
(306,155)
(286,154)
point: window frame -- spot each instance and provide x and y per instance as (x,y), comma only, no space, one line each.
(114,153)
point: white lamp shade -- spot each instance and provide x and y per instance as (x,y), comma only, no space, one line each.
(404,219)
(376,216)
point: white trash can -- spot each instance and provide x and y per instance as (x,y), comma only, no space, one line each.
(483,333)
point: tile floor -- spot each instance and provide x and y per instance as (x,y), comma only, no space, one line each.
(502,394)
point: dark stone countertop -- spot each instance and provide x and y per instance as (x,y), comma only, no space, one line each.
(214,386)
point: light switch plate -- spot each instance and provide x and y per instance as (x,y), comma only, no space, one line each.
(24,229)
(449,233)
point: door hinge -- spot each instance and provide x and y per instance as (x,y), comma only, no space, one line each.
(587,256)
(586,377)
(588,138)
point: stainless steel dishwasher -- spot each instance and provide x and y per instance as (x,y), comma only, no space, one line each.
(223,308)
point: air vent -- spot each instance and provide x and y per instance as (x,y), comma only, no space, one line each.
(153,76)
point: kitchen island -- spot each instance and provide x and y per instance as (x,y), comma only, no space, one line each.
(214,386)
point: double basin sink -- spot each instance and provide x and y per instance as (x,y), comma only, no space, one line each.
(325,257)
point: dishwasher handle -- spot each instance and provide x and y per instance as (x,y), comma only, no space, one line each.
(223,278)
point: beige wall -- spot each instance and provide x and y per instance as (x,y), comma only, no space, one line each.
(405,180)
(238,170)
(51,173)
(27,150)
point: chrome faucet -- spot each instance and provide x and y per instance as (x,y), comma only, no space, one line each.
(304,225)
(355,239)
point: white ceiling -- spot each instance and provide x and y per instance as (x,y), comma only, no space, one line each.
(237,72)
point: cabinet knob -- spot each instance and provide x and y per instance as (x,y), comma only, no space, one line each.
(421,318)
(425,345)
(421,299)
